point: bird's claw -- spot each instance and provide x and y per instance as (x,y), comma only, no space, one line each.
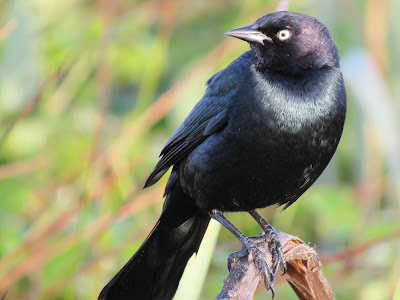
(275,247)
(261,261)
(251,249)
(276,250)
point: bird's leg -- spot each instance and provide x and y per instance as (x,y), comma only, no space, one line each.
(274,243)
(249,247)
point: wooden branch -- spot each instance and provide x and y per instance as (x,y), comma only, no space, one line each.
(304,273)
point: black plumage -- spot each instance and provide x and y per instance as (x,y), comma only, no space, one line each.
(265,129)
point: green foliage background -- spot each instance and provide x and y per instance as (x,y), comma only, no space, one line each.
(91,90)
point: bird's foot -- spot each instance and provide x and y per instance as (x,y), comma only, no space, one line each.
(276,250)
(271,237)
(251,249)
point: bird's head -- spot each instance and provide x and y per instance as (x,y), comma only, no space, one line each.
(289,42)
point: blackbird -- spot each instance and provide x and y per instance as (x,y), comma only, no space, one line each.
(264,131)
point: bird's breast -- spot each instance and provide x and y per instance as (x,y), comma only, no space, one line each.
(278,140)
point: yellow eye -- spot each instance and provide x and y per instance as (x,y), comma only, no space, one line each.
(284,34)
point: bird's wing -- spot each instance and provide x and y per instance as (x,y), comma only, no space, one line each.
(206,118)
(210,115)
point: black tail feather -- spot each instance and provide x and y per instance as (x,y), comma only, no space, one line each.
(156,268)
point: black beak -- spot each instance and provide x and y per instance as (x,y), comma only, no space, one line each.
(249,34)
